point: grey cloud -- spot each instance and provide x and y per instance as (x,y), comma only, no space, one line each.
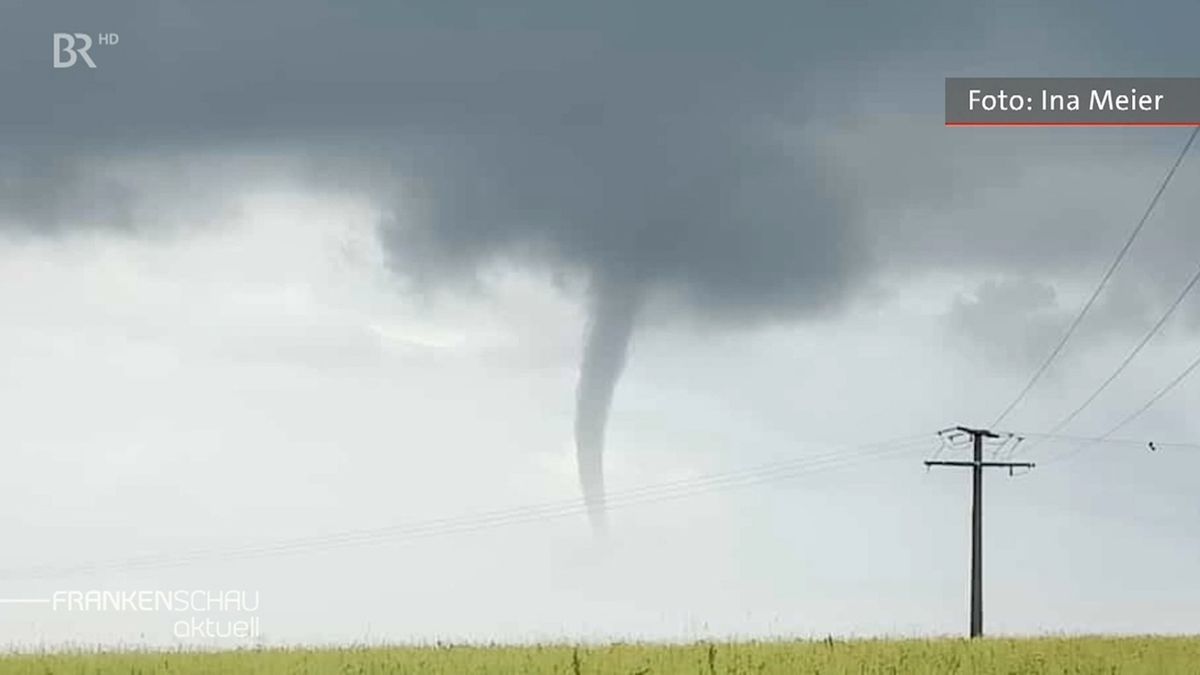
(609,134)
(146,192)
(1014,322)
(60,194)
(737,228)
(637,145)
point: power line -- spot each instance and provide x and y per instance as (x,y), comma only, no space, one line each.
(1133,354)
(440,527)
(540,512)
(1082,443)
(1157,396)
(1111,441)
(1037,375)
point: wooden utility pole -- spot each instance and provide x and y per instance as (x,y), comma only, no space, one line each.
(977,467)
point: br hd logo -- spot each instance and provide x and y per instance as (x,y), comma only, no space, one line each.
(70,48)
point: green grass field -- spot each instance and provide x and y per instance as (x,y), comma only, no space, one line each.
(1150,655)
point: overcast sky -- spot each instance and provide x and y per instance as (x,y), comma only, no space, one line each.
(283,270)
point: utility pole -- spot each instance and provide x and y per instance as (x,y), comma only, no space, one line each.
(977,467)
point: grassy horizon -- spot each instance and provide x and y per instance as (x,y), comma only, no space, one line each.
(1147,654)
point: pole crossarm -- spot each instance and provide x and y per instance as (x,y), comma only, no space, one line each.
(1021,465)
(986,433)
(970,431)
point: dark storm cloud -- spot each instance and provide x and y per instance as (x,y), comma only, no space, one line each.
(1050,202)
(639,145)
(635,144)
(613,135)
(592,134)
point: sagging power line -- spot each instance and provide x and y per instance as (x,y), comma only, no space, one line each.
(1141,443)
(656,493)
(1154,330)
(1183,375)
(1104,279)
